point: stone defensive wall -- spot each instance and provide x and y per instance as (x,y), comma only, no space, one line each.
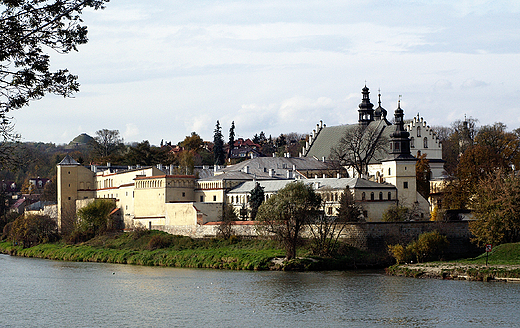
(373,236)
(376,236)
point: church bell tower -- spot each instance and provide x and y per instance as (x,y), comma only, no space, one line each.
(366,108)
(399,167)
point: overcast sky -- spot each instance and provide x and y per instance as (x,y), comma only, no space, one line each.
(158,70)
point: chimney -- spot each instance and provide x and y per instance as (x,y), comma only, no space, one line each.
(246,169)
(271,173)
(171,169)
(289,174)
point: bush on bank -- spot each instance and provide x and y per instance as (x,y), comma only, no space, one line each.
(428,246)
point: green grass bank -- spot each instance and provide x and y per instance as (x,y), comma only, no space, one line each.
(503,264)
(155,248)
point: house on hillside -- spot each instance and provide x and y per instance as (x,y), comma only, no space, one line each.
(243,149)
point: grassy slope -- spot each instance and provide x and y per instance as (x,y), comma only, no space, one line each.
(503,263)
(131,248)
(177,251)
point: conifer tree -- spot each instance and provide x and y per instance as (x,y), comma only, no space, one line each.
(231,142)
(257,198)
(218,145)
(348,210)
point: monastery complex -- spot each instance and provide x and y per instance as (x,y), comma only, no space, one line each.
(156,198)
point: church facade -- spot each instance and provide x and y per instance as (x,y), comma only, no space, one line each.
(395,163)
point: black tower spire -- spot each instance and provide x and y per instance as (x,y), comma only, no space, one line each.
(399,139)
(366,108)
(380,113)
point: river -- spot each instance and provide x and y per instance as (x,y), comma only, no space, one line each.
(43,293)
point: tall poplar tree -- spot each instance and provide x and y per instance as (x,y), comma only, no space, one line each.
(218,145)
(231,142)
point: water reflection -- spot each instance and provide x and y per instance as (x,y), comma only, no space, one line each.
(39,293)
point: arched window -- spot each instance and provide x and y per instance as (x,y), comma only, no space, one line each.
(418,131)
(371,196)
(389,171)
(389,196)
(425,142)
(363,196)
(380,195)
(412,142)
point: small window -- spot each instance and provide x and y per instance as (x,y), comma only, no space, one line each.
(371,196)
(183,194)
(363,196)
(425,142)
(418,131)
(389,196)
(389,171)
(405,185)
(201,199)
(214,198)
(380,196)
(365,214)
(412,142)
(329,211)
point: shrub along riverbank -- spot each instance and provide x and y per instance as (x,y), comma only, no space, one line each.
(155,248)
(503,263)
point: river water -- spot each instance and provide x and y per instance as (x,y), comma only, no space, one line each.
(43,293)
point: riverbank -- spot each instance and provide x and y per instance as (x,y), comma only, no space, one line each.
(157,248)
(503,264)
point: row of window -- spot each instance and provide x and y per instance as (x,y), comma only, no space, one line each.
(201,199)
(148,184)
(372,196)
(210,185)
(412,142)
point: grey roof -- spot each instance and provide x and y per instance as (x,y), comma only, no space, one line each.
(39,205)
(233,176)
(260,166)
(68,161)
(272,186)
(329,137)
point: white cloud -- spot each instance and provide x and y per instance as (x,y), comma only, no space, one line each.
(280,66)
(131,131)
(441,85)
(472,83)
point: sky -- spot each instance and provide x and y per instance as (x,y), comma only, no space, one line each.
(159,70)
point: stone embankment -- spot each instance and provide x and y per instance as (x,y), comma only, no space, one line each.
(458,271)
